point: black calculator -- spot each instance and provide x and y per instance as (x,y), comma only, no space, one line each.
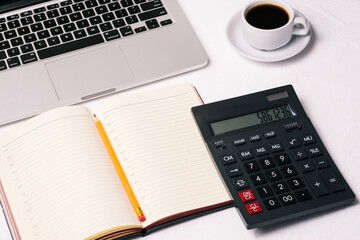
(270,157)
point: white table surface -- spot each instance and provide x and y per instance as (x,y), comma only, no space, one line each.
(326,77)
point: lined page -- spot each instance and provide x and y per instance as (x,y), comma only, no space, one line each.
(161,151)
(59,180)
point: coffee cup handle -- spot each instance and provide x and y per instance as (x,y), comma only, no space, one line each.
(301,31)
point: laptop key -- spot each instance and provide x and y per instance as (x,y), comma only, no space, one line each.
(92,30)
(69,27)
(119,23)
(65,10)
(26,48)
(104,1)
(152,14)
(101,9)
(78,7)
(140,29)
(38,10)
(3,27)
(40,44)
(27,20)
(88,13)
(1,37)
(25,14)
(12,52)
(108,16)
(121,13)
(23,30)
(37,27)
(66,37)
(56,31)
(53,13)
(50,23)
(80,33)
(126,31)
(152,24)
(82,23)
(134,9)
(91,3)
(52,6)
(30,38)
(43,34)
(70,46)
(75,16)
(95,20)
(39,17)
(151,5)
(12,17)
(16,41)
(106,26)
(2,55)
(126,3)
(2,65)
(28,58)
(10,34)
(62,20)
(166,22)
(111,35)
(14,24)
(4,45)
(65,3)
(13,62)
(114,6)
(53,41)
(131,19)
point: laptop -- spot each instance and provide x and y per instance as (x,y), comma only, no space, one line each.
(55,53)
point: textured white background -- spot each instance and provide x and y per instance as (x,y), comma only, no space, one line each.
(326,76)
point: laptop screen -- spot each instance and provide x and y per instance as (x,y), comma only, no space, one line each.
(9,5)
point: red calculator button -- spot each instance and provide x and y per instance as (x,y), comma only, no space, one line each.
(253,208)
(247,195)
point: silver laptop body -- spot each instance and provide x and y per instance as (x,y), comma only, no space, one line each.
(33,81)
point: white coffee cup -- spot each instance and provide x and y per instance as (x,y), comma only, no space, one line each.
(270,39)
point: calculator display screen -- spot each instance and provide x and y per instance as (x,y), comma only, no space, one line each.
(252,119)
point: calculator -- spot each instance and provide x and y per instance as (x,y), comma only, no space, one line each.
(270,157)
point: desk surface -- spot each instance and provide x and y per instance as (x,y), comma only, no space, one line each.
(326,78)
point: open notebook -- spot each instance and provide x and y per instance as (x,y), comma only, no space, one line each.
(58,182)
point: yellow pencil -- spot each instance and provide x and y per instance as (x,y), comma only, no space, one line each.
(119,170)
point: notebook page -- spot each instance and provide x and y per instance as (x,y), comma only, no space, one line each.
(58,179)
(162,153)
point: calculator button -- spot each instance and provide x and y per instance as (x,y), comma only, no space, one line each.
(317,185)
(332,180)
(282,159)
(247,154)
(270,134)
(293,142)
(253,208)
(303,195)
(280,187)
(247,196)
(315,151)
(261,151)
(287,199)
(299,154)
(227,158)
(296,183)
(308,139)
(255,138)
(276,147)
(273,175)
(258,179)
(240,141)
(234,171)
(251,167)
(289,171)
(265,191)
(272,203)
(321,163)
(220,144)
(267,163)
(240,183)
(291,126)
(306,166)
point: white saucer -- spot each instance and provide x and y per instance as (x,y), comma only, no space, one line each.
(236,38)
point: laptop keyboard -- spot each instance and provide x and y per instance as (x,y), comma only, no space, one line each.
(71,25)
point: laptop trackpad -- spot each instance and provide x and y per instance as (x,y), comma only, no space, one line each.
(89,74)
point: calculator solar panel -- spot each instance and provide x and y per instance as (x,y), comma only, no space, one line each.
(270,157)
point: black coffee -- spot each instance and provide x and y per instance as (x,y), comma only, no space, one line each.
(267,16)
